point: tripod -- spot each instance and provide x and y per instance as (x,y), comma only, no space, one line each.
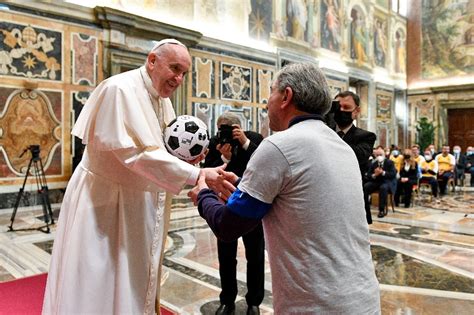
(41,185)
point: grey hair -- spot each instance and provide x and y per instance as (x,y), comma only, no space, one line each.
(308,83)
(228,118)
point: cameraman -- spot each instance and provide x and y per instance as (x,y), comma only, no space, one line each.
(234,146)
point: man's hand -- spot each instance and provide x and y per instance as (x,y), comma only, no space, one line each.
(378,171)
(217,181)
(225,149)
(201,184)
(239,134)
(201,157)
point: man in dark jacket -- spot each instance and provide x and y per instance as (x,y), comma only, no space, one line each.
(235,147)
(360,140)
(381,177)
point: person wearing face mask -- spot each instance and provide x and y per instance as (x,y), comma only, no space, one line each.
(361,141)
(470,163)
(408,177)
(429,172)
(433,151)
(460,167)
(446,165)
(397,159)
(381,178)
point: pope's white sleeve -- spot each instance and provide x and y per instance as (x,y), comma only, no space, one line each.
(160,167)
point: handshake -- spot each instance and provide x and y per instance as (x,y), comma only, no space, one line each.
(220,181)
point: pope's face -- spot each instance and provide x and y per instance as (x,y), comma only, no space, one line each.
(168,68)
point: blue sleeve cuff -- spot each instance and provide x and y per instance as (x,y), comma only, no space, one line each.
(244,205)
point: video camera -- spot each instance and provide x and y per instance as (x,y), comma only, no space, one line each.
(224,134)
(35,151)
(335,105)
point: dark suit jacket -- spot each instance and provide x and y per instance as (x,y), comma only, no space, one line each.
(240,157)
(362,142)
(411,174)
(390,173)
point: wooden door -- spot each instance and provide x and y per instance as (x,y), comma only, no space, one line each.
(461,127)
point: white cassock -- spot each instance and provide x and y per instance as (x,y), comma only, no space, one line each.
(113,220)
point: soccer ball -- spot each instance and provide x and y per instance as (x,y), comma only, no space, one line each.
(186,137)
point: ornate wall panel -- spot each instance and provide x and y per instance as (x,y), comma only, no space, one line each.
(84,59)
(30,117)
(203,78)
(264,84)
(236,82)
(45,67)
(384,106)
(228,83)
(30,51)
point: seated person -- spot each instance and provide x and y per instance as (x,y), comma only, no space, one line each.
(408,178)
(380,178)
(470,163)
(446,164)
(429,172)
(460,167)
(397,159)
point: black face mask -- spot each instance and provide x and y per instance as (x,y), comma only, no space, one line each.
(407,157)
(342,119)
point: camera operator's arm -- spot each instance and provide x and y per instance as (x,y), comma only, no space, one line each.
(249,141)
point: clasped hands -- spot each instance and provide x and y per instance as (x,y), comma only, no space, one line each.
(218,180)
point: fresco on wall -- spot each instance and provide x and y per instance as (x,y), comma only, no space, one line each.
(448,36)
(358,36)
(297,23)
(380,42)
(31,52)
(382,3)
(260,20)
(331,24)
(400,52)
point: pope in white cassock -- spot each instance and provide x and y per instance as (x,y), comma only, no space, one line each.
(114,219)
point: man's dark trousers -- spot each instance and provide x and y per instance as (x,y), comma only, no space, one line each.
(255,255)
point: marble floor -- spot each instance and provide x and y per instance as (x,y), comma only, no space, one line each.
(423,257)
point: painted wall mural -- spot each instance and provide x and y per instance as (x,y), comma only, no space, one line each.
(297,23)
(331,17)
(447,38)
(30,51)
(400,51)
(359,36)
(260,20)
(380,42)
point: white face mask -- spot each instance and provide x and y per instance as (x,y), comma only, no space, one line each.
(427,157)
(380,158)
(457,151)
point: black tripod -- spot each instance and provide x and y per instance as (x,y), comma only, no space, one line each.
(41,186)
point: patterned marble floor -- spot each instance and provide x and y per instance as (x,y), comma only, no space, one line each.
(423,256)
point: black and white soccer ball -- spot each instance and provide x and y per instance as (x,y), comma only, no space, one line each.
(186,137)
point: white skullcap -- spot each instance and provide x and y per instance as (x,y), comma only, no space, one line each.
(167,41)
